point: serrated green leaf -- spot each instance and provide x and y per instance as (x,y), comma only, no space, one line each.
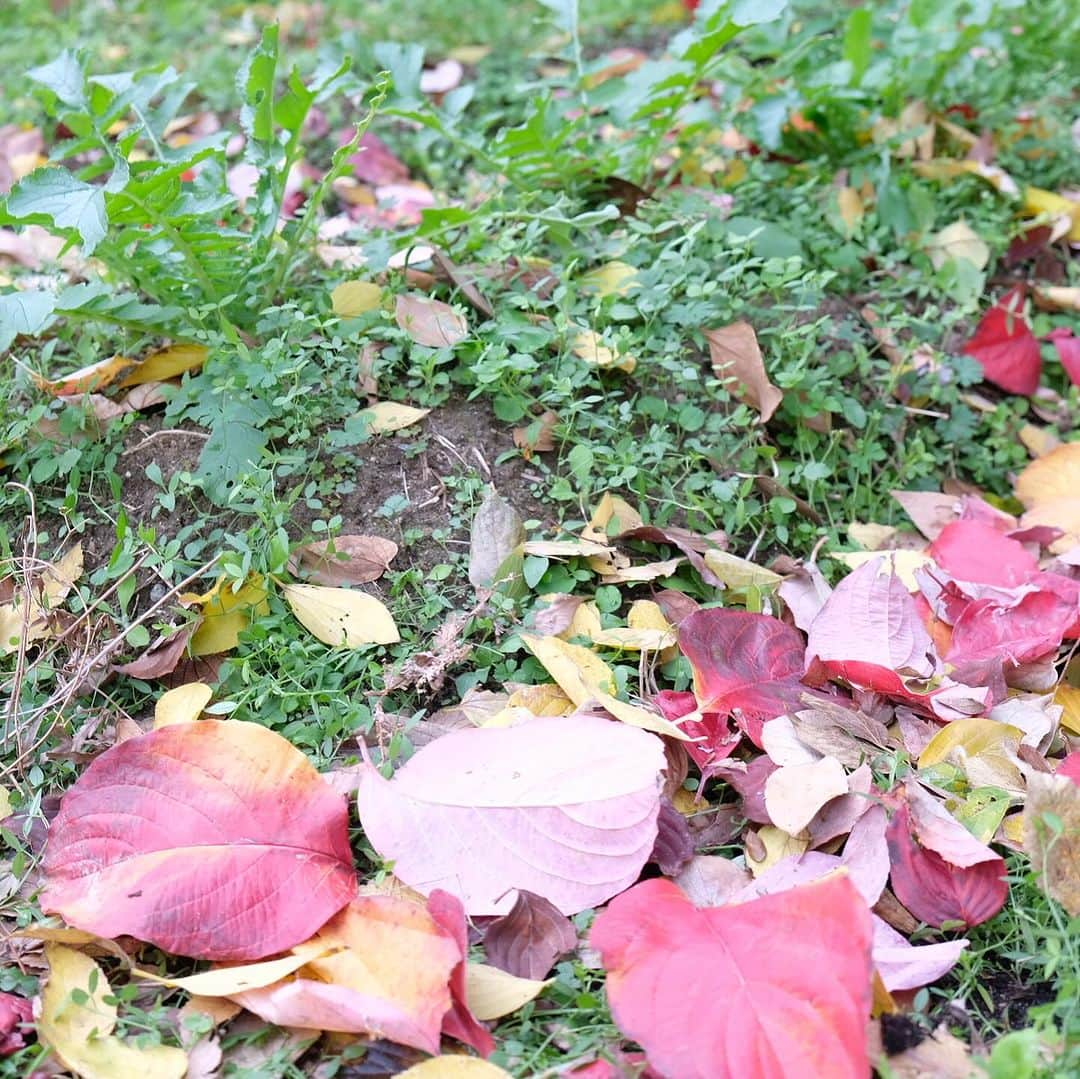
(255,81)
(405,63)
(24,312)
(54,196)
(65,77)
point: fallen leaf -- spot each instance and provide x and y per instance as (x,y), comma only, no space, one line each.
(939,870)
(538,436)
(957,241)
(777,986)
(493,993)
(930,511)
(497,532)
(904,563)
(710,880)
(94,376)
(530,938)
(794,794)
(341,617)
(1038,202)
(940,1056)
(983,749)
(430,322)
(738,574)
(1052,836)
(611,279)
(226,613)
(1048,489)
(589,346)
(996,177)
(1057,297)
(182,704)
(850,204)
(1005,347)
(166,363)
(583,676)
(353,298)
(454,1067)
(161,657)
(215,840)
(77,1022)
(565,807)
(347,560)
(1068,697)
(384,972)
(975,551)
(737,358)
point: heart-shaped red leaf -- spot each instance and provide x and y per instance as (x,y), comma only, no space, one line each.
(1005,346)
(747,664)
(774,988)
(215,840)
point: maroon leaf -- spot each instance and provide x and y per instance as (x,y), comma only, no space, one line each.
(674,845)
(714,737)
(529,940)
(746,665)
(939,871)
(1005,346)
(690,543)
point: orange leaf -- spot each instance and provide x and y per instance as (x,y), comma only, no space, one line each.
(737,361)
(86,379)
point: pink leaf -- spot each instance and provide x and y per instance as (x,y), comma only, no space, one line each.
(869,632)
(1022,632)
(1005,346)
(562,806)
(1070,767)
(749,665)
(775,988)
(903,965)
(216,840)
(1068,350)
(973,551)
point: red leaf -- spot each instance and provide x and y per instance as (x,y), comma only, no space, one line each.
(15,1013)
(1005,346)
(774,988)
(530,939)
(1019,633)
(747,664)
(974,551)
(215,840)
(939,870)
(1068,350)
(714,737)
(674,845)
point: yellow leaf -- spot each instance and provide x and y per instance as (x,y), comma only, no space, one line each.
(611,508)
(388,416)
(454,1067)
(1050,489)
(341,616)
(565,548)
(86,379)
(646,614)
(353,298)
(851,209)
(167,363)
(957,241)
(583,676)
(1068,697)
(1038,441)
(737,573)
(225,614)
(635,640)
(59,578)
(612,279)
(1058,297)
(5,803)
(870,537)
(79,1030)
(587,345)
(225,981)
(542,700)
(184,704)
(904,562)
(1038,202)
(585,623)
(984,749)
(778,846)
(492,993)
(948,170)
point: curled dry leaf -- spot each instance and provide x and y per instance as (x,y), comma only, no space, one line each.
(182,704)
(530,938)
(737,361)
(775,986)
(341,617)
(77,1020)
(94,376)
(430,322)
(215,840)
(169,362)
(565,807)
(347,560)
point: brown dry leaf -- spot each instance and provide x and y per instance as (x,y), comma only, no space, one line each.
(161,657)
(710,880)
(736,358)
(346,560)
(538,436)
(430,322)
(497,534)
(139,398)
(530,938)
(86,379)
(166,363)
(1052,836)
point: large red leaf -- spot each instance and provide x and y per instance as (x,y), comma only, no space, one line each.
(939,870)
(216,840)
(746,665)
(774,988)
(1005,346)
(1021,632)
(713,737)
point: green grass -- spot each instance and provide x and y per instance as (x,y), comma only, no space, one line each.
(517,176)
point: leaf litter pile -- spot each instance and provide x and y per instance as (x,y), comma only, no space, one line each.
(748,809)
